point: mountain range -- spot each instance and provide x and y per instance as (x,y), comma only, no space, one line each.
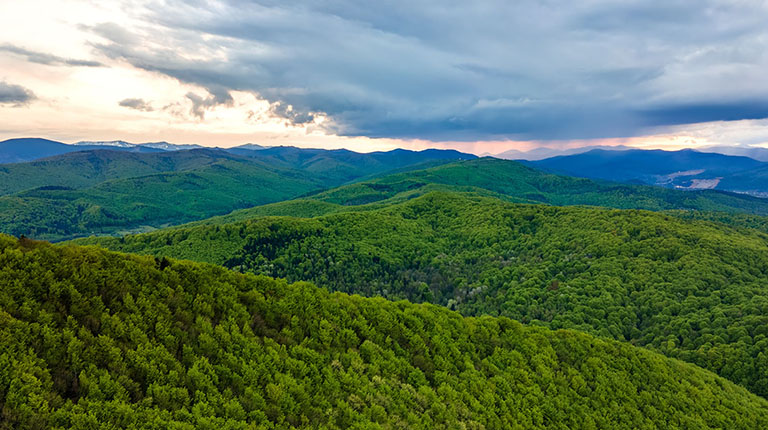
(398,289)
(684,169)
(543,152)
(28,149)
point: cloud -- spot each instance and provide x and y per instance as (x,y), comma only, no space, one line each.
(202,104)
(15,95)
(490,69)
(286,111)
(138,104)
(47,59)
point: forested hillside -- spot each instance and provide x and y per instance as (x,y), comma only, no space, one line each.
(108,192)
(344,165)
(753,181)
(87,168)
(93,339)
(102,192)
(522,183)
(690,289)
(53,212)
(507,180)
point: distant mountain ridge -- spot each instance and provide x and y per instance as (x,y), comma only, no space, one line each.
(29,149)
(544,152)
(123,144)
(758,153)
(683,169)
(19,150)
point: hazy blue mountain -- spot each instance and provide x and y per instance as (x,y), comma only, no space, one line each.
(753,181)
(760,154)
(249,146)
(165,146)
(679,169)
(544,152)
(28,149)
(24,149)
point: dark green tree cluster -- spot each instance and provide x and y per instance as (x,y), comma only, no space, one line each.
(693,290)
(93,339)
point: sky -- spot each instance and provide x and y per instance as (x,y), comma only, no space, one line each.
(480,76)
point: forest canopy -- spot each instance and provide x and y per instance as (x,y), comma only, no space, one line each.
(690,289)
(98,339)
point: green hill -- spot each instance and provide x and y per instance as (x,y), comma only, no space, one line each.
(93,339)
(690,289)
(511,181)
(152,200)
(342,165)
(108,192)
(523,183)
(88,168)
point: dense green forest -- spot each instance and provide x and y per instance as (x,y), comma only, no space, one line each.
(87,168)
(522,183)
(114,192)
(507,180)
(94,339)
(197,184)
(691,289)
(214,183)
(343,165)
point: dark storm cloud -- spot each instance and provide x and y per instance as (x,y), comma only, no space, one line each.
(464,70)
(138,104)
(15,95)
(686,114)
(47,59)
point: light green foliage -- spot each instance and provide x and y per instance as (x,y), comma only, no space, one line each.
(93,339)
(301,208)
(693,290)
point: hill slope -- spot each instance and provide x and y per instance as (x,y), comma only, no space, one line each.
(690,289)
(342,165)
(223,182)
(525,184)
(93,339)
(507,180)
(97,192)
(87,168)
